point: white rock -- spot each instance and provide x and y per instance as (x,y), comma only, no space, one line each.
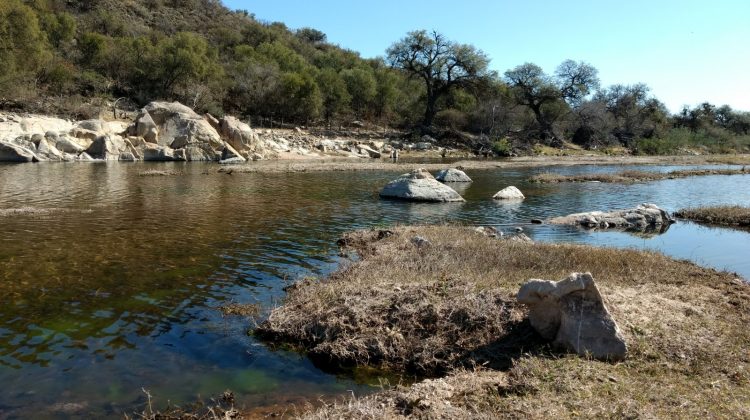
(419,185)
(452,175)
(509,193)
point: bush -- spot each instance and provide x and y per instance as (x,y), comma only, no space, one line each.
(502,147)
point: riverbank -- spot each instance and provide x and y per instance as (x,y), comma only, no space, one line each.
(336,165)
(634,176)
(719,215)
(445,306)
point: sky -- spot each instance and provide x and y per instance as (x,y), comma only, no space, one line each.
(686,51)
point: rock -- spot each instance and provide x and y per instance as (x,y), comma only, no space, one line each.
(107,147)
(239,135)
(232,161)
(68,145)
(215,123)
(15,153)
(640,218)
(452,175)
(85,157)
(509,193)
(230,153)
(179,126)
(48,151)
(127,157)
(156,153)
(423,146)
(419,185)
(489,231)
(196,154)
(420,242)
(146,128)
(573,315)
(368,151)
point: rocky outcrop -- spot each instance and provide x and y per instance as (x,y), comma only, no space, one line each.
(419,185)
(107,147)
(509,193)
(642,217)
(179,126)
(15,153)
(452,175)
(572,314)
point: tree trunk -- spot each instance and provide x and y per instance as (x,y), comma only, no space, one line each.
(430,110)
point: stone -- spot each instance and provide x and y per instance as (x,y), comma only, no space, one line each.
(15,153)
(68,145)
(509,193)
(423,145)
(197,154)
(179,126)
(420,242)
(146,127)
(48,151)
(420,185)
(127,157)
(232,161)
(156,153)
(642,217)
(230,153)
(239,135)
(572,314)
(452,175)
(363,149)
(488,231)
(107,147)
(85,157)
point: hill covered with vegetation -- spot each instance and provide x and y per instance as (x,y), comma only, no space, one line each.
(77,57)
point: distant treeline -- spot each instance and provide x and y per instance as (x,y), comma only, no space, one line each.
(72,56)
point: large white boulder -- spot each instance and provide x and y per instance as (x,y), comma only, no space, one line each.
(107,147)
(179,126)
(239,135)
(452,175)
(572,314)
(419,185)
(509,193)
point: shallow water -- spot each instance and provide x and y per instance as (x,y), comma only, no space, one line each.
(110,281)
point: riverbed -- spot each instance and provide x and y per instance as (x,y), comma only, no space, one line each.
(111,282)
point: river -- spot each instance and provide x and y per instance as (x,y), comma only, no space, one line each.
(110,282)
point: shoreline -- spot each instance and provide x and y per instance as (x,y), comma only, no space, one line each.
(339,165)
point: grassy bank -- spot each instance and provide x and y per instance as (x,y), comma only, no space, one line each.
(719,215)
(448,309)
(634,176)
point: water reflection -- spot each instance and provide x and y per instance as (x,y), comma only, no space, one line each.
(115,287)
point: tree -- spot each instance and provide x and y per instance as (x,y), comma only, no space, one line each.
(547,96)
(362,87)
(334,93)
(23,47)
(441,64)
(184,58)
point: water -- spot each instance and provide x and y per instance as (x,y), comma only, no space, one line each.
(115,287)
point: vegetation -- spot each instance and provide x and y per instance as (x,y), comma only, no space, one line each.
(685,328)
(720,215)
(76,57)
(635,176)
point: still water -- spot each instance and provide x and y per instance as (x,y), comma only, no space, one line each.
(112,282)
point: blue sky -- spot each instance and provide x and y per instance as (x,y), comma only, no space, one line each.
(687,51)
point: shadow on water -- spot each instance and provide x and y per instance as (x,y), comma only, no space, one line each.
(115,285)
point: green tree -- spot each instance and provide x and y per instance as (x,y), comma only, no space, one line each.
(362,87)
(334,93)
(23,47)
(299,97)
(183,59)
(439,63)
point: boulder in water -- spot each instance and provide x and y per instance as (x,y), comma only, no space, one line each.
(420,185)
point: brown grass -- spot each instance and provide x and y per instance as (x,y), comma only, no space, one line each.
(719,215)
(634,176)
(450,305)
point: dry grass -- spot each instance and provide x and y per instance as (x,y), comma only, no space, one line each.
(719,215)
(634,176)
(450,305)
